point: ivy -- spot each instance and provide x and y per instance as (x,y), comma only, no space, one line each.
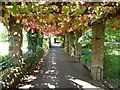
(34,40)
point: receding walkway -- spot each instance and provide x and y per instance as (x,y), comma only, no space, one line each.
(61,71)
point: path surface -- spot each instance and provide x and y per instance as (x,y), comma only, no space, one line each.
(61,71)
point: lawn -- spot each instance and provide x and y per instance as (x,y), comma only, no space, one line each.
(111,66)
(86,56)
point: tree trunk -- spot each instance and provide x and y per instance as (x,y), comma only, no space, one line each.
(97,51)
(78,47)
(15,43)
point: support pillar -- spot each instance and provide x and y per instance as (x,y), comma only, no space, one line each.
(66,43)
(15,43)
(78,47)
(97,50)
(71,42)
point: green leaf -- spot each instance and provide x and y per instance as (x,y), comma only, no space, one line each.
(79,11)
(6,15)
(66,10)
(95,4)
(14,9)
(101,15)
(108,24)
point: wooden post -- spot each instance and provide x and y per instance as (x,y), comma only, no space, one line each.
(97,50)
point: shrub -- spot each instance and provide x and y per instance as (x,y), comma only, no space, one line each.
(111,67)
(4,58)
(32,59)
(86,45)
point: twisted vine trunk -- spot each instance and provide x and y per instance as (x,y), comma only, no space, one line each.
(97,50)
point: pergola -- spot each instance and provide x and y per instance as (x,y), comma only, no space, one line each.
(66,18)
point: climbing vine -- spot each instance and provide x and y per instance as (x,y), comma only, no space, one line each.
(59,17)
(64,18)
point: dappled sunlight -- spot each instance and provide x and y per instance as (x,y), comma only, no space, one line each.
(50,75)
(36,71)
(52,69)
(25,80)
(80,83)
(49,71)
(49,85)
(88,32)
(29,78)
(53,62)
(26,86)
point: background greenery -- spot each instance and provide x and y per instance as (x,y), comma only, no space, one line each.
(112,54)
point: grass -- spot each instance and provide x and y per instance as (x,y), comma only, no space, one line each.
(86,56)
(111,66)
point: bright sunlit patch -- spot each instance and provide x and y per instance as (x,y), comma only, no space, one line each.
(50,85)
(42,2)
(4,48)
(29,78)
(54,63)
(81,83)
(36,71)
(2,27)
(49,71)
(26,86)
(80,39)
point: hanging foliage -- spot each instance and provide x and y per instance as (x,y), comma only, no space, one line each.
(59,17)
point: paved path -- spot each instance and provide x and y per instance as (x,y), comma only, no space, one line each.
(60,71)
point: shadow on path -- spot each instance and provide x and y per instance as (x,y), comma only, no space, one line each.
(61,71)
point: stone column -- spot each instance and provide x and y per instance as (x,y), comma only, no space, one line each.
(15,43)
(71,43)
(78,47)
(66,43)
(97,50)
